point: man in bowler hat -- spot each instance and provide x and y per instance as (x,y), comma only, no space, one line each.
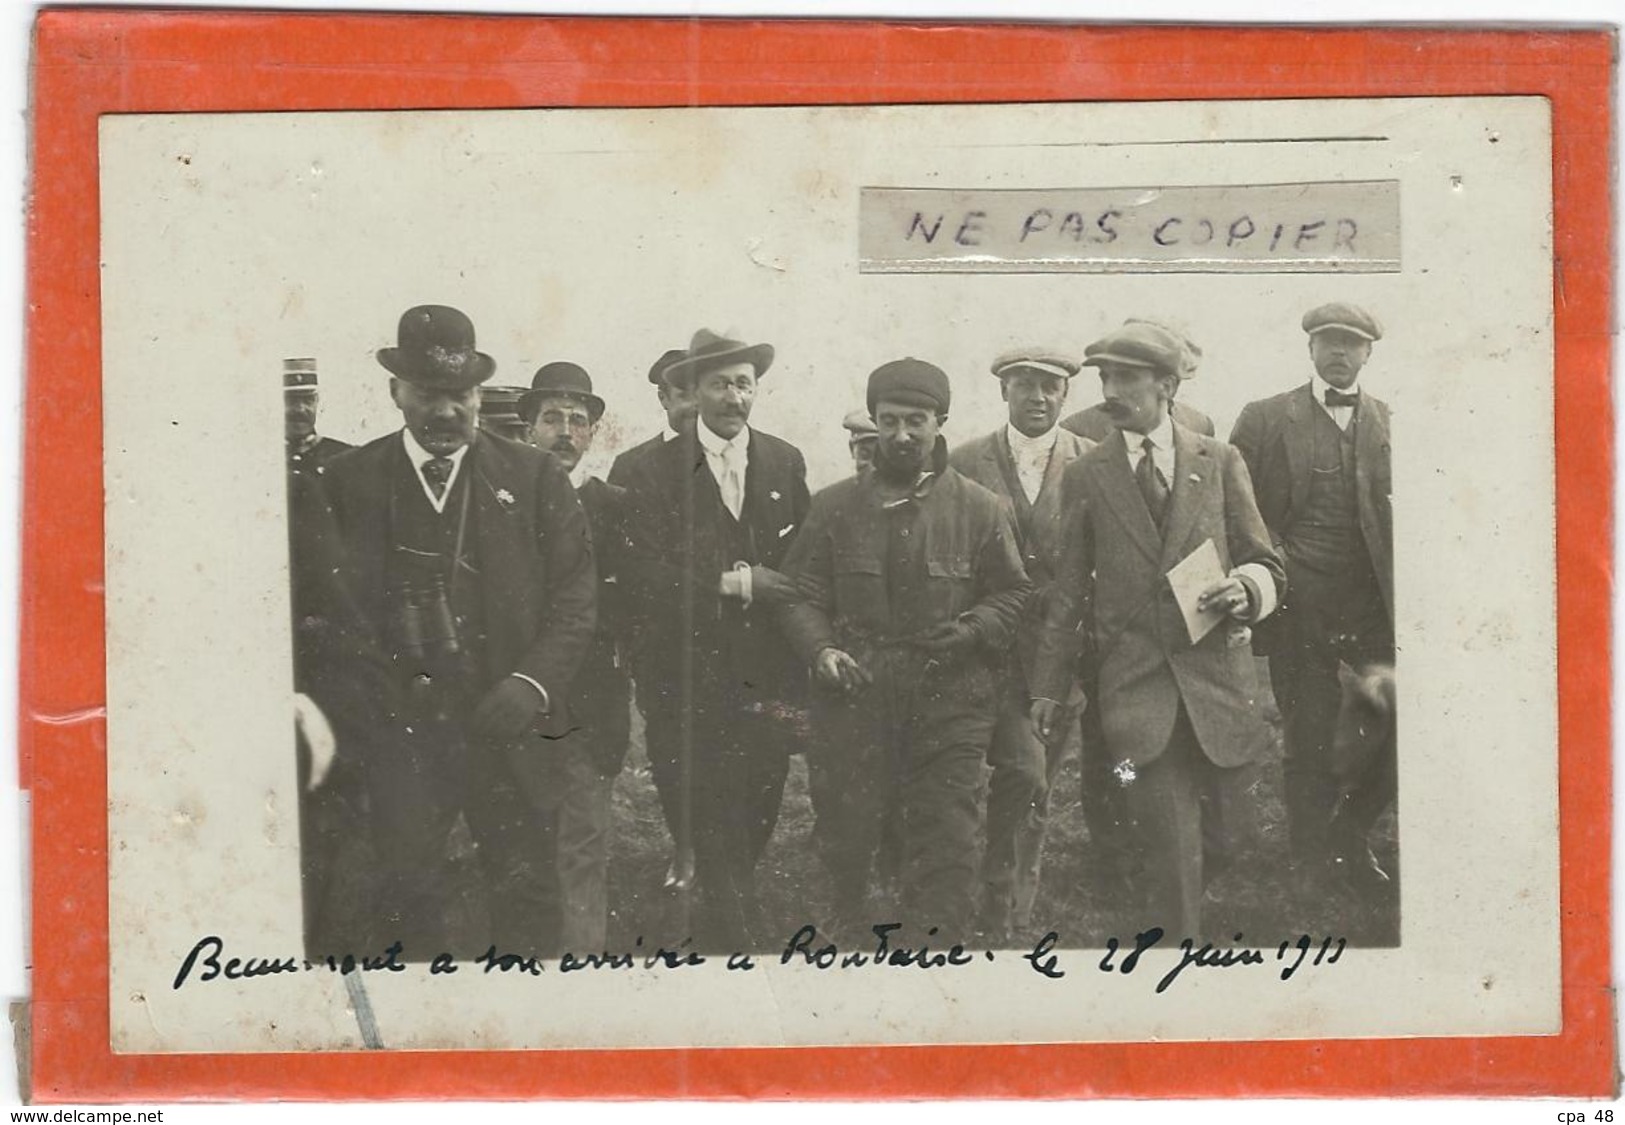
(678,403)
(1180,717)
(909,588)
(1319,456)
(1022,463)
(561,414)
(713,512)
(471,560)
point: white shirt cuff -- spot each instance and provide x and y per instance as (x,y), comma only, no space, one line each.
(1265,581)
(743,570)
(547,702)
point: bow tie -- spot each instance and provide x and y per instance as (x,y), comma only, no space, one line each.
(1335,397)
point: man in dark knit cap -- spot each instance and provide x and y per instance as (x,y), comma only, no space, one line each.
(910,585)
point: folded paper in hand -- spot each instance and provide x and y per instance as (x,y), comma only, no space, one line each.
(1188,579)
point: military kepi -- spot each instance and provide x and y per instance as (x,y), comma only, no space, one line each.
(298,375)
(434,349)
(1343,316)
(1042,361)
(912,382)
(560,380)
(1140,343)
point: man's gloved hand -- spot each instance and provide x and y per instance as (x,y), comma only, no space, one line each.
(949,636)
(506,710)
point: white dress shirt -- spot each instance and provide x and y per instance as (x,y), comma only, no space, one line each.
(421,457)
(1342,415)
(1162,453)
(727,460)
(1031,455)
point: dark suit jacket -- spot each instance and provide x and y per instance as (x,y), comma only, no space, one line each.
(1112,589)
(1039,525)
(601,696)
(1275,437)
(537,580)
(1096,425)
(679,543)
(620,470)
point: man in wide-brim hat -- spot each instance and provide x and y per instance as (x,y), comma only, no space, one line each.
(471,561)
(713,512)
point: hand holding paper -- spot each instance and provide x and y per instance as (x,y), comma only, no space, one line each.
(1206,595)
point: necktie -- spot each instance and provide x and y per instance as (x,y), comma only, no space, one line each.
(1153,486)
(1335,397)
(732,481)
(437,471)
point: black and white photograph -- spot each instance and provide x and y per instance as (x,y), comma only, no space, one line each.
(830,575)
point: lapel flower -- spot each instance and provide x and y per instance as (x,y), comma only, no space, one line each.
(775,495)
(505,498)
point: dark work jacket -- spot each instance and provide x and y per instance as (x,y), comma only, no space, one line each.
(1276,438)
(680,539)
(852,599)
(537,579)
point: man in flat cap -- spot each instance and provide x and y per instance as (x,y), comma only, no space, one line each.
(713,512)
(861,439)
(910,586)
(1319,456)
(308,451)
(561,415)
(1095,422)
(472,563)
(676,401)
(1180,716)
(1022,463)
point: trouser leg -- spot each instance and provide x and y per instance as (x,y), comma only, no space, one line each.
(1307,693)
(518,844)
(582,850)
(1017,808)
(852,776)
(943,758)
(1104,802)
(1165,798)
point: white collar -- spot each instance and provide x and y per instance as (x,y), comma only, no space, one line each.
(579,475)
(1021,443)
(717,445)
(668,434)
(421,457)
(1162,437)
(1319,387)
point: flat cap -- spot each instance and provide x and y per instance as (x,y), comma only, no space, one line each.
(1140,343)
(1191,360)
(1340,314)
(912,382)
(860,425)
(1044,361)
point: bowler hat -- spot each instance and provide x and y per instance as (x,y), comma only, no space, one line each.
(1339,314)
(657,373)
(912,382)
(1140,343)
(1044,361)
(434,349)
(298,375)
(708,351)
(560,380)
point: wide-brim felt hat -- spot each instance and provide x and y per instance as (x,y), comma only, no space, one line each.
(1140,343)
(434,349)
(708,351)
(560,380)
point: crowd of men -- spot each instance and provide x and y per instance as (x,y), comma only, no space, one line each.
(475,620)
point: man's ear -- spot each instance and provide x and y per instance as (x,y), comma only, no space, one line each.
(395,390)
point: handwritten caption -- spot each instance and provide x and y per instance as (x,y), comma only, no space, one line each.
(1331,226)
(208,961)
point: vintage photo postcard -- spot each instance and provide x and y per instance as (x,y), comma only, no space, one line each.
(809,576)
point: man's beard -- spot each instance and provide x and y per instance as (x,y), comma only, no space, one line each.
(897,466)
